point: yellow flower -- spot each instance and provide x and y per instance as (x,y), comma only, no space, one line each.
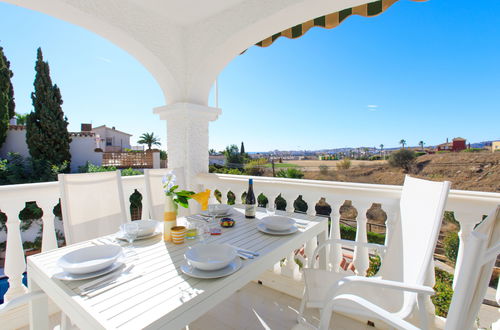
(202,198)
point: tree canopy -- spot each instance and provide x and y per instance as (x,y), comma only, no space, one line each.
(150,139)
(7,104)
(47,134)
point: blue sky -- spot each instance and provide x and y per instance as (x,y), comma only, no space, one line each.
(420,71)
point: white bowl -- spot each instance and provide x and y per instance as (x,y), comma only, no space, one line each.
(89,259)
(210,256)
(278,223)
(146,227)
(220,209)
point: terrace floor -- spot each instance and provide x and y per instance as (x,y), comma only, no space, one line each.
(256,307)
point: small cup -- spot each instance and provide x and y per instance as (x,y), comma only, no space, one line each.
(270,209)
(178,234)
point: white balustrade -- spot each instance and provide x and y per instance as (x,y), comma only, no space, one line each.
(13,199)
(468,206)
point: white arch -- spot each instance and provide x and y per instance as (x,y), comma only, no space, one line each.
(184,44)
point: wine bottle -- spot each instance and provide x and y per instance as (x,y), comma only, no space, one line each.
(250,202)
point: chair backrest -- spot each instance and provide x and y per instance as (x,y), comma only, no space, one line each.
(92,205)
(414,237)
(155,196)
(474,274)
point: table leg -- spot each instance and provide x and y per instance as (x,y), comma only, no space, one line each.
(38,308)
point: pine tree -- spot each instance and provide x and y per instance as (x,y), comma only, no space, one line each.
(47,128)
(7,105)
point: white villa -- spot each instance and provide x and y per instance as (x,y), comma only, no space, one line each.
(110,139)
(185,45)
(82,147)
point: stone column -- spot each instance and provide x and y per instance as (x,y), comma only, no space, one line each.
(187,137)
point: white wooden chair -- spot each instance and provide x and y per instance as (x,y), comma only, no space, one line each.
(399,286)
(155,196)
(92,205)
(478,261)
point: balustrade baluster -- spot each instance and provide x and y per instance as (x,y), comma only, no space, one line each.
(391,224)
(361,259)
(335,249)
(49,238)
(15,264)
(467,224)
(223,197)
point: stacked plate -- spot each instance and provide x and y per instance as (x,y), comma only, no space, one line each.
(218,210)
(210,261)
(89,262)
(147,229)
(277,225)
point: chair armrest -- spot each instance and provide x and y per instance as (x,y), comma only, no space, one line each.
(374,281)
(342,242)
(21,300)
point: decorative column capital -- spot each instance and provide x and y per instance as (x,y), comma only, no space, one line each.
(183,110)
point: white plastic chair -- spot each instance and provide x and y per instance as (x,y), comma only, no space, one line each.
(474,274)
(92,205)
(155,196)
(399,286)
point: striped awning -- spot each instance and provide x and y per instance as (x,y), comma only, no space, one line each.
(330,21)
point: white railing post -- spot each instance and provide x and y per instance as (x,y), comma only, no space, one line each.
(336,249)
(223,195)
(49,238)
(361,258)
(15,265)
(466,227)
(311,245)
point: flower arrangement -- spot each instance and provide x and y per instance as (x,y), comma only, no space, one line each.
(181,197)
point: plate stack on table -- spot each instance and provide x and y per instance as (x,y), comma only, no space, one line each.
(277,225)
(89,262)
(211,261)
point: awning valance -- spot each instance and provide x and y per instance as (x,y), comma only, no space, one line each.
(330,21)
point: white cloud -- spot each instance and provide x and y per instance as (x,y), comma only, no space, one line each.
(107,60)
(372,107)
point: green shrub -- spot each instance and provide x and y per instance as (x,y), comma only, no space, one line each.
(91,168)
(451,243)
(375,157)
(292,173)
(163,155)
(444,292)
(420,153)
(443,151)
(344,164)
(375,263)
(262,200)
(255,167)
(403,158)
(130,171)
(472,150)
(449,216)
(347,232)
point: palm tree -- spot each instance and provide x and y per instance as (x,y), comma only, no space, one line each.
(149,139)
(381,150)
(21,119)
(421,144)
(402,142)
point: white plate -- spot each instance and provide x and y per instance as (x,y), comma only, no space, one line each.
(228,213)
(62,275)
(120,237)
(210,257)
(278,222)
(261,227)
(89,259)
(197,273)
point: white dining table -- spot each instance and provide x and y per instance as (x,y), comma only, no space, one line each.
(162,297)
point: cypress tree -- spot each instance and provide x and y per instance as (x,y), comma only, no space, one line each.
(46,127)
(7,105)
(242,149)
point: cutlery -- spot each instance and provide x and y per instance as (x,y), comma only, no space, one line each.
(252,253)
(244,256)
(114,275)
(110,285)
